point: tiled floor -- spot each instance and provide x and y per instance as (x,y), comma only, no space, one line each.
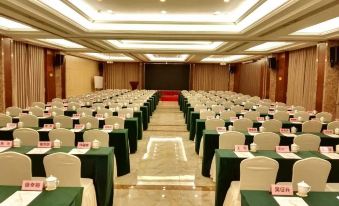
(165,170)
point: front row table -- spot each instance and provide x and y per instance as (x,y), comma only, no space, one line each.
(67,196)
(228,169)
(96,164)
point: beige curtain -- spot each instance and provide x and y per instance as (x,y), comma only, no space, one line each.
(27,74)
(302,78)
(118,75)
(209,77)
(250,78)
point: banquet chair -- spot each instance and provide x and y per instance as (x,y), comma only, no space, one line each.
(4,119)
(126,111)
(14,111)
(57,100)
(263,109)
(307,142)
(67,137)
(73,104)
(99,135)
(266,140)
(305,116)
(217,108)
(115,120)
(65,121)
(90,119)
(333,125)
(86,111)
(242,124)
(226,115)
(228,105)
(57,111)
(281,115)
(38,104)
(249,105)
(210,124)
(29,120)
(326,115)
(205,114)
(227,141)
(57,104)
(15,168)
(37,111)
(98,106)
(281,109)
(67,168)
(299,108)
(237,108)
(272,125)
(197,108)
(257,173)
(252,115)
(104,111)
(28,136)
(313,126)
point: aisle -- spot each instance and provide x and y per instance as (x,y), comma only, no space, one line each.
(165,170)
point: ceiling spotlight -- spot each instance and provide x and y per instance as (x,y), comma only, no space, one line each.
(162,0)
(226,1)
(164,12)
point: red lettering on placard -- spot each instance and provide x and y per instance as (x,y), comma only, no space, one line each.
(32,185)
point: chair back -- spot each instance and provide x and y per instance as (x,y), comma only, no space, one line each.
(205,114)
(237,108)
(65,121)
(217,108)
(299,108)
(313,126)
(104,111)
(305,116)
(242,124)
(37,111)
(65,167)
(75,104)
(281,115)
(263,109)
(281,108)
(314,171)
(4,119)
(272,125)
(67,137)
(99,135)
(14,111)
(57,99)
(15,168)
(57,111)
(258,173)
(126,111)
(28,136)
(229,139)
(87,111)
(57,104)
(29,120)
(252,115)
(228,104)
(249,105)
(89,119)
(266,140)
(212,124)
(307,142)
(226,115)
(333,125)
(326,115)
(38,104)
(115,119)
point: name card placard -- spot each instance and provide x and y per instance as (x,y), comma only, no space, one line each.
(99,116)
(285,130)
(32,185)
(84,145)
(285,190)
(325,149)
(232,119)
(48,114)
(282,149)
(6,143)
(221,130)
(241,148)
(44,144)
(49,126)
(11,125)
(108,127)
(294,120)
(79,126)
(76,115)
(328,131)
(260,119)
(252,130)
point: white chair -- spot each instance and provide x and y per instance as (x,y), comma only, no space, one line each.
(305,116)
(14,111)
(272,125)
(266,140)
(38,104)
(65,121)
(57,104)
(89,119)
(28,136)
(252,115)
(242,125)
(257,173)
(312,126)
(281,108)
(4,119)
(105,111)
(98,106)
(57,111)
(237,108)
(217,108)
(228,105)
(226,115)
(115,120)
(67,137)
(67,168)
(299,108)
(227,141)
(248,105)
(281,115)
(29,120)
(74,105)
(15,168)
(205,114)
(99,135)
(57,99)
(326,115)
(126,111)
(333,125)
(210,124)
(86,111)
(37,111)
(307,142)
(263,109)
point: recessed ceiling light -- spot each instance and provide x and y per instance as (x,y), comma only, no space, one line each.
(110,57)
(226,58)
(162,0)
(63,43)
(164,12)
(322,28)
(269,46)
(9,24)
(226,1)
(157,58)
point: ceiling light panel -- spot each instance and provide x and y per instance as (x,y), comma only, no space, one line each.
(167,58)
(110,57)
(63,43)
(10,25)
(166,45)
(226,58)
(268,46)
(322,28)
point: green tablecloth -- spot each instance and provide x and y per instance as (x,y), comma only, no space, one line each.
(188,119)
(117,139)
(181,100)
(66,196)
(228,169)
(211,142)
(265,198)
(95,164)
(145,117)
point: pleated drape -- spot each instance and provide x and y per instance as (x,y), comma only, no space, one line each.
(209,77)
(27,74)
(302,78)
(118,75)
(250,78)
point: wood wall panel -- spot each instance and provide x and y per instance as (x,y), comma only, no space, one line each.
(7,51)
(282,77)
(321,61)
(50,90)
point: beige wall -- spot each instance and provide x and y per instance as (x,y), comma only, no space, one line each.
(79,75)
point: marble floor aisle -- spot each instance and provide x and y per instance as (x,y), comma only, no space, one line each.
(165,170)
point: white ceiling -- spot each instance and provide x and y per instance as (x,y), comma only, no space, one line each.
(174,30)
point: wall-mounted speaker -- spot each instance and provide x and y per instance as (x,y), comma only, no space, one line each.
(231,68)
(272,62)
(334,55)
(58,60)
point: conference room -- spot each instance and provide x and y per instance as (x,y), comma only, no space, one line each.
(169,102)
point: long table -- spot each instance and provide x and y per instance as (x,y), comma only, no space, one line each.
(117,139)
(211,143)
(228,169)
(96,164)
(265,198)
(66,196)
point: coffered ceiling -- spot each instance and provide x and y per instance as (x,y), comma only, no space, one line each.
(171,30)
